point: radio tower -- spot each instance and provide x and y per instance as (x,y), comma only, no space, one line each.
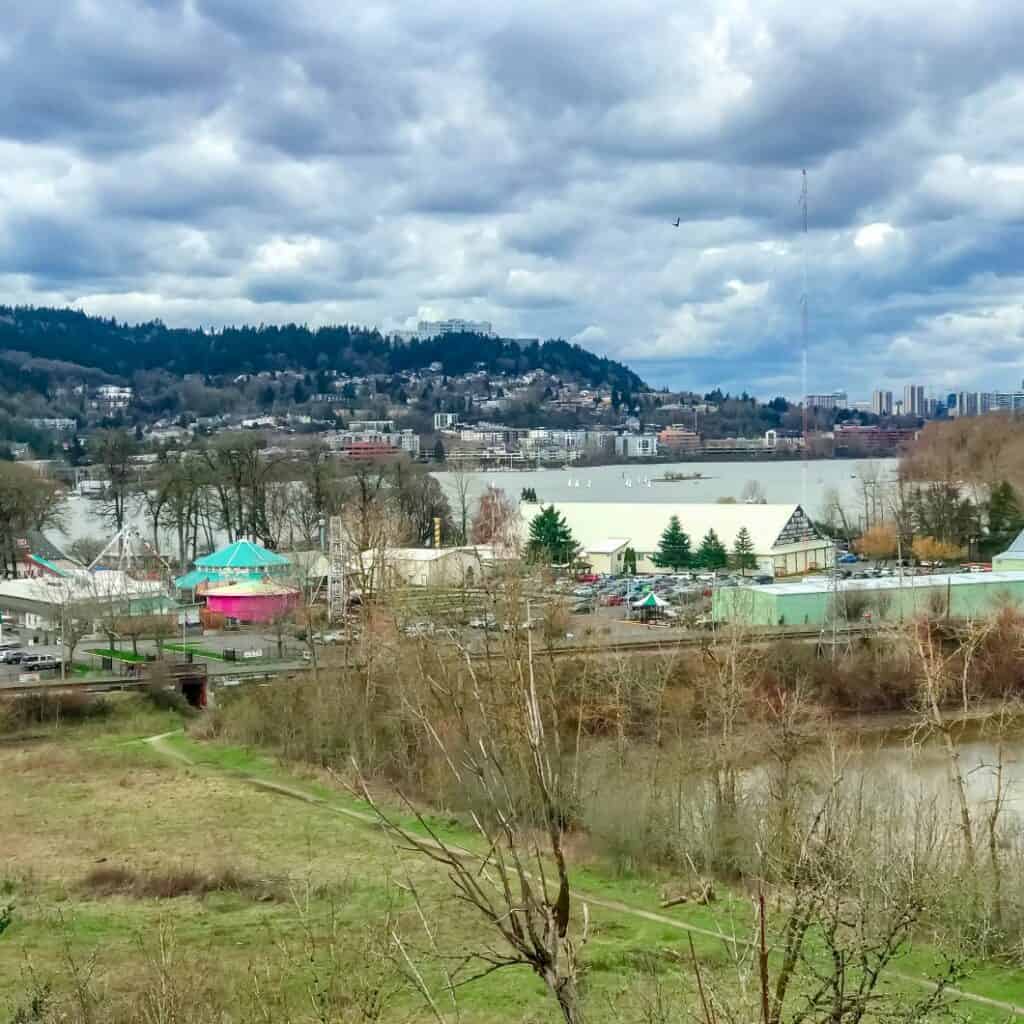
(803,336)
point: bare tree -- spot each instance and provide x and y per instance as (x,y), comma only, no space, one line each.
(462,475)
(519,885)
(114,451)
(943,677)
(753,493)
(86,550)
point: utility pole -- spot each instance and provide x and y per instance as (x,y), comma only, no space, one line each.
(803,332)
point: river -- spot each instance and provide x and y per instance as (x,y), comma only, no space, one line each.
(919,771)
(779,481)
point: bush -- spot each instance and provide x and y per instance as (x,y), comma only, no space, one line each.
(114,880)
(166,698)
(51,707)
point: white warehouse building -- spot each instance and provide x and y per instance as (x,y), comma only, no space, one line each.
(785,540)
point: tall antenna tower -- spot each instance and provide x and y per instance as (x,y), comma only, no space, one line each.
(803,335)
(337,566)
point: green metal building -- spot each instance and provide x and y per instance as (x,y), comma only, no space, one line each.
(890,599)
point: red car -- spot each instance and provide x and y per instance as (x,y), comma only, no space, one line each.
(612,600)
(587,577)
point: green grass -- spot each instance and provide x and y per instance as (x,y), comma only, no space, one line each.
(206,652)
(196,649)
(107,652)
(75,796)
(731,916)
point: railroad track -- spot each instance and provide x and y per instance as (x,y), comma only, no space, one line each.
(693,640)
(644,646)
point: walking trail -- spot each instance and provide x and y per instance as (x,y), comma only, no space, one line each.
(160,745)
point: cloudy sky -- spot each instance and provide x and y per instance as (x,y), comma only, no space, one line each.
(218,161)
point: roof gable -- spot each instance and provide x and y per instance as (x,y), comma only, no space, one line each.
(1016,549)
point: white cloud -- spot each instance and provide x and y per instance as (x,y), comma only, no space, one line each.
(217,161)
(873,236)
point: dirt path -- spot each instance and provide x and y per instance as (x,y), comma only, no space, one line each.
(160,745)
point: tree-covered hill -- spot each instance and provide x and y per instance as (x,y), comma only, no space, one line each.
(70,336)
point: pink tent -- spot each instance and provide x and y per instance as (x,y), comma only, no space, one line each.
(252,600)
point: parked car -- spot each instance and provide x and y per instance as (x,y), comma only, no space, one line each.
(588,577)
(762,580)
(12,656)
(483,622)
(510,627)
(614,600)
(39,662)
(415,629)
(583,608)
(847,558)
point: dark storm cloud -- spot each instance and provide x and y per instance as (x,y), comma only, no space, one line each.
(214,160)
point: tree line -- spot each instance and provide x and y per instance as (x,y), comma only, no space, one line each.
(958,493)
(123,349)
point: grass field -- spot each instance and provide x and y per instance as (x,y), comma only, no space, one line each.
(197,649)
(106,652)
(141,870)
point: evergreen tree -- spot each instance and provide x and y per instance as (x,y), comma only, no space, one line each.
(674,548)
(711,554)
(551,540)
(1004,512)
(439,453)
(743,556)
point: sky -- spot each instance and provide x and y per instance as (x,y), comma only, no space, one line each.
(226,161)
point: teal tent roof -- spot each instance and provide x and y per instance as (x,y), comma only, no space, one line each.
(243,554)
(47,564)
(193,579)
(650,601)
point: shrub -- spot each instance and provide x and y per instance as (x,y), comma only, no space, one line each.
(51,707)
(115,880)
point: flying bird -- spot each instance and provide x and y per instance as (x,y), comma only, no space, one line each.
(676,224)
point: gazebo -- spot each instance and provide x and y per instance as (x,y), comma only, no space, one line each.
(650,607)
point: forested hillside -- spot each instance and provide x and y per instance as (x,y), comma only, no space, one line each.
(122,349)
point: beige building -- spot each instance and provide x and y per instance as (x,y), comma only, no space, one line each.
(785,540)
(606,556)
(427,567)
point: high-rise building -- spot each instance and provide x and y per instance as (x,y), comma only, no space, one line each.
(427,329)
(913,400)
(834,400)
(967,403)
(1011,401)
(881,403)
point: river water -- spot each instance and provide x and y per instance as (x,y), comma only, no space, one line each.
(779,482)
(920,772)
(807,483)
